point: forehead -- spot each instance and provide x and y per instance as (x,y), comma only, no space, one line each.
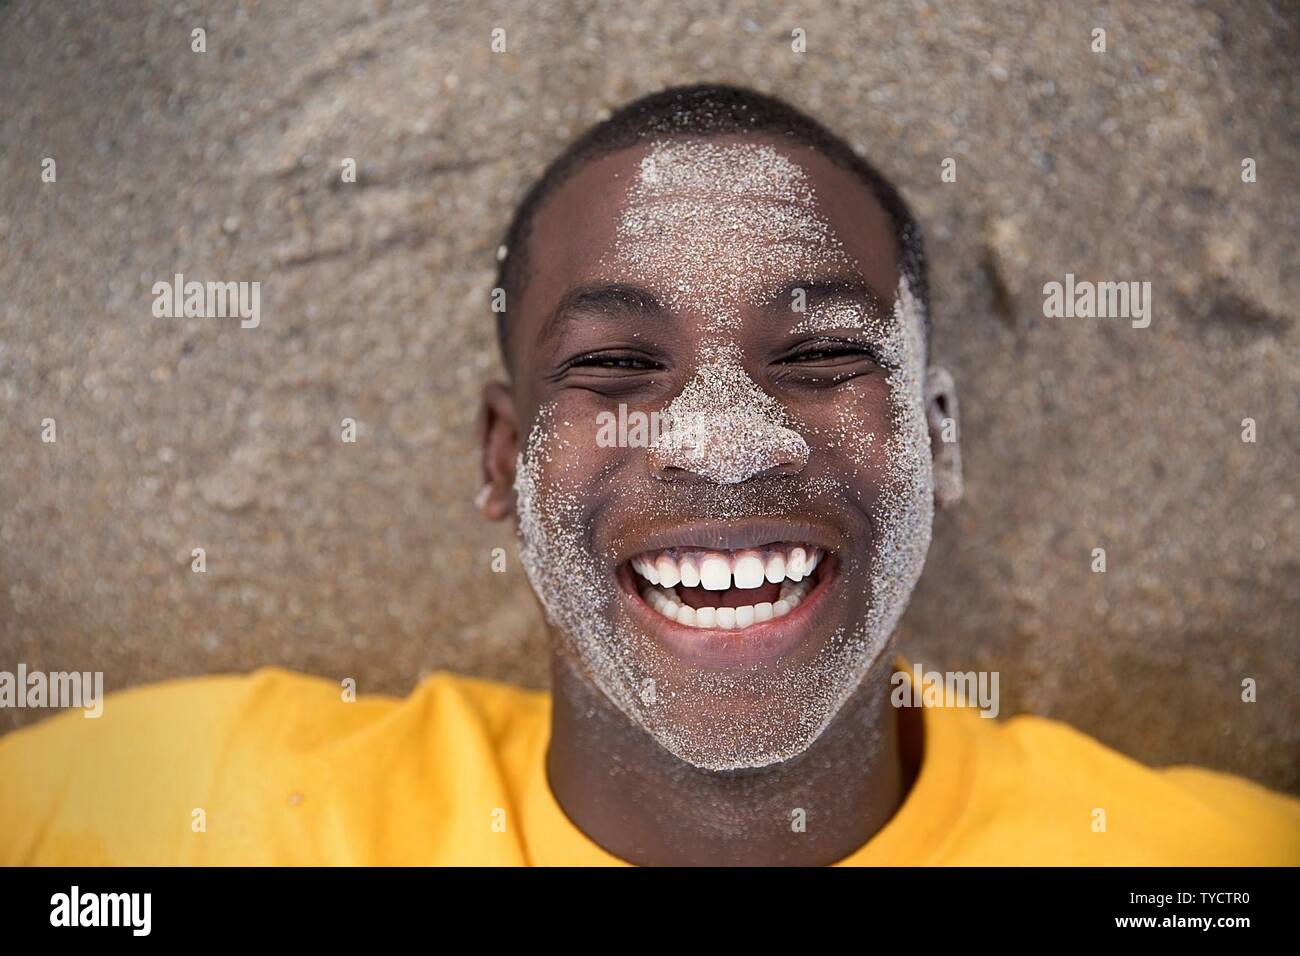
(717,217)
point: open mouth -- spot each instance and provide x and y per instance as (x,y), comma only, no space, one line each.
(728,590)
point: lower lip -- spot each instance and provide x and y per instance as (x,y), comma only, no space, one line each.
(763,643)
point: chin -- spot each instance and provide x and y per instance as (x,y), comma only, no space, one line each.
(723,716)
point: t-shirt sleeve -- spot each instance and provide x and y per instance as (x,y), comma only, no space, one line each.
(1266,818)
(119,788)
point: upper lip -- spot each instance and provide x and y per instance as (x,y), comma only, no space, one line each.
(730,535)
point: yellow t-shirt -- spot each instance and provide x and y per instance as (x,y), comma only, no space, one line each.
(275,768)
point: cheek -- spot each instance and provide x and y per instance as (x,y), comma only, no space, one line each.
(850,430)
(565,457)
(578,474)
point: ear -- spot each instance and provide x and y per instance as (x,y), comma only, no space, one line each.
(944,420)
(499,432)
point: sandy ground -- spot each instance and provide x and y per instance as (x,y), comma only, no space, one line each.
(367,560)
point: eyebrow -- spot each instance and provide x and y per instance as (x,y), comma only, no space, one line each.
(621,300)
(819,291)
(600,298)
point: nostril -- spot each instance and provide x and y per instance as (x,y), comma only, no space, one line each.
(784,468)
(675,473)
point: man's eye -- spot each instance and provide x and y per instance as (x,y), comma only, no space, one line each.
(608,360)
(831,353)
(822,354)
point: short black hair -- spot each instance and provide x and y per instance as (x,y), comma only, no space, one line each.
(705,110)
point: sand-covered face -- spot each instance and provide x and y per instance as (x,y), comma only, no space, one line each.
(728,575)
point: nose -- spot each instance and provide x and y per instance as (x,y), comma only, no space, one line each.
(726,449)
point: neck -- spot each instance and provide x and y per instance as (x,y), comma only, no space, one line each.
(642,804)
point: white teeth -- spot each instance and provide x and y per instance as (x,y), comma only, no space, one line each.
(715,573)
(719,570)
(794,568)
(792,596)
(749,570)
(690,572)
(792,593)
(648,572)
(664,600)
(668,574)
(791,567)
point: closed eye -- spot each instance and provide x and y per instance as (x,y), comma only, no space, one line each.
(822,354)
(835,352)
(613,360)
(610,372)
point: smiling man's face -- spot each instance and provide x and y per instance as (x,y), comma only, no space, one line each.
(729,586)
